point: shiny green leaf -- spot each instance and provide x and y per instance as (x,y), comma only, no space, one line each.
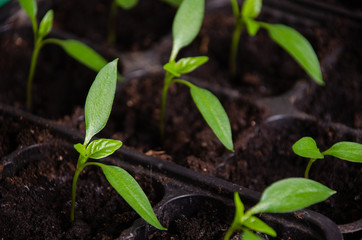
(350,151)
(298,47)
(187,24)
(291,194)
(81,149)
(30,8)
(251,8)
(46,24)
(258,225)
(101,148)
(126,4)
(184,65)
(132,193)
(99,100)
(248,235)
(214,114)
(252,26)
(307,147)
(83,54)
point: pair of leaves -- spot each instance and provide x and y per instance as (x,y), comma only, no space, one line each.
(187,24)
(286,37)
(98,149)
(184,65)
(283,196)
(349,151)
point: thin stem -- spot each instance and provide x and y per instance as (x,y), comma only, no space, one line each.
(166,85)
(79,169)
(306,173)
(235,6)
(111,38)
(34,59)
(234,46)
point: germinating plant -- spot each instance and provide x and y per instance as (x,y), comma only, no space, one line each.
(97,109)
(186,25)
(283,196)
(124,4)
(307,147)
(74,48)
(286,37)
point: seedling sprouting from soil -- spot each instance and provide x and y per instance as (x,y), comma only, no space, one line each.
(124,4)
(97,109)
(186,26)
(284,196)
(307,147)
(74,48)
(286,37)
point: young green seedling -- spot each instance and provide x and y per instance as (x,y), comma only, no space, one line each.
(74,48)
(286,37)
(186,26)
(124,4)
(307,147)
(97,109)
(283,196)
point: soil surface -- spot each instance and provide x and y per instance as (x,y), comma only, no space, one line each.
(136,29)
(44,186)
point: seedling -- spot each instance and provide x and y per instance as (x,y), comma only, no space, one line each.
(286,37)
(186,25)
(307,147)
(97,109)
(283,196)
(74,48)
(124,4)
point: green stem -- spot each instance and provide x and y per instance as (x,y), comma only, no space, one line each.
(166,85)
(79,169)
(306,173)
(234,45)
(235,6)
(34,59)
(111,38)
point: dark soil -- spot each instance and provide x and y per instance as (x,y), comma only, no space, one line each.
(60,82)
(44,186)
(136,29)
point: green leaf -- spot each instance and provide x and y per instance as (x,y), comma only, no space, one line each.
(252,26)
(349,151)
(81,149)
(247,235)
(30,8)
(291,194)
(214,114)
(99,100)
(46,24)
(251,8)
(102,148)
(126,4)
(307,147)
(184,65)
(83,54)
(187,24)
(132,193)
(258,225)
(298,47)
